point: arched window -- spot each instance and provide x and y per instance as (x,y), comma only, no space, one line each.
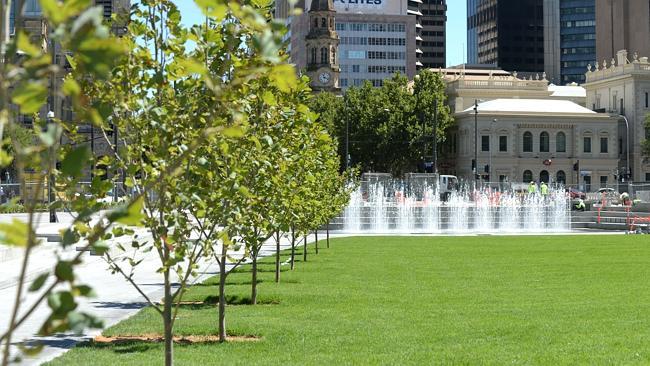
(313,55)
(333,56)
(560,142)
(323,55)
(323,23)
(315,22)
(543,142)
(331,23)
(543,176)
(528,176)
(561,177)
(528,142)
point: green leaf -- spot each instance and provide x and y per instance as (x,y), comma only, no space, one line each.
(31,350)
(213,8)
(100,247)
(39,282)
(5,158)
(71,87)
(284,77)
(25,45)
(130,214)
(85,291)
(233,132)
(63,271)
(14,233)
(74,162)
(30,96)
(69,237)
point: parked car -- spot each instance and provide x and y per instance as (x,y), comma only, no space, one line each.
(575,194)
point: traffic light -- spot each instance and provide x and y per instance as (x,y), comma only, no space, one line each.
(474,165)
(486,168)
(575,167)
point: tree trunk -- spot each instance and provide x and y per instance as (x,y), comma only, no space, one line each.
(167,320)
(254,282)
(222,296)
(327,230)
(293,248)
(304,252)
(277,257)
(316,234)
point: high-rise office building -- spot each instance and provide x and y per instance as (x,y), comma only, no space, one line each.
(433,22)
(569,39)
(508,33)
(376,39)
(622,24)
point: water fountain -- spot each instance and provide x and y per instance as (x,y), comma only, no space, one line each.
(413,205)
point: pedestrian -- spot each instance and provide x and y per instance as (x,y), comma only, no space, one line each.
(532,188)
(580,205)
(543,188)
(625,199)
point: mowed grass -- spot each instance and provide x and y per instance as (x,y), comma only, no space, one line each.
(423,300)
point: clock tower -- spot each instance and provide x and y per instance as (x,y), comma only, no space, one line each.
(322,45)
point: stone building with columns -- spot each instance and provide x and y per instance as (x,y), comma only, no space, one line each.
(523,140)
(621,87)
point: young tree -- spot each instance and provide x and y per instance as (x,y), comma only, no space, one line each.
(25,73)
(166,104)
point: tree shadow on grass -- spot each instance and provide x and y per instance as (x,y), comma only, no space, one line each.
(131,346)
(233,300)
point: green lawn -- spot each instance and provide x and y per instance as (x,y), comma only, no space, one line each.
(425,300)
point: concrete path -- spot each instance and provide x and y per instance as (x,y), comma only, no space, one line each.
(116,299)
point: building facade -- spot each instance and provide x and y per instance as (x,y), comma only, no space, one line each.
(434,22)
(622,88)
(376,39)
(321,44)
(523,140)
(622,25)
(569,39)
(508,33)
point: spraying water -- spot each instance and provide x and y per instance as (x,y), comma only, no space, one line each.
(398,206)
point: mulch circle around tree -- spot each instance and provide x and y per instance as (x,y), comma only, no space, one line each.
(157,338)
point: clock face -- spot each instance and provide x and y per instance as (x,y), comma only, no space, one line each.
(324,77)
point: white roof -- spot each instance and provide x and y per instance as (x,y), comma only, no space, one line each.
(531,106)
(567,91)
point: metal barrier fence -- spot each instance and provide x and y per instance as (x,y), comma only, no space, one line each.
(9,191)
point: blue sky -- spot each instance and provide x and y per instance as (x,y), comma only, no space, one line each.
(456,26)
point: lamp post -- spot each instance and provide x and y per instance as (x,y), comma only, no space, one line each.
(494,122)
(50,179)
(435,136)
(475,162)
(628,171)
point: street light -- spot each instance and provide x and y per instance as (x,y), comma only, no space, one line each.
(628,171)
(494,122)
(475,163)
(50,180)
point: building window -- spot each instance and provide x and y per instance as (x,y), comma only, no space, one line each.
(603,145)
(315,22)
(603,181)
(313,55)
(355,68)
(543,142)
(561,177)
(528,176)
(587,144)
(647,177)
(620,146)
(323,23)
(344,83)
(544,176)
(560,142)
(646,100)
(485,143)
(503,143)
(323,55)
(528,142)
